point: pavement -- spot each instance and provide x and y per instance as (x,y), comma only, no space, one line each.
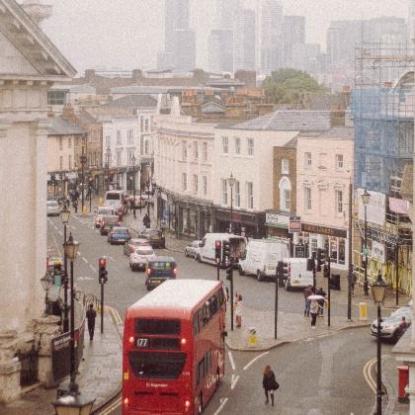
(101,365)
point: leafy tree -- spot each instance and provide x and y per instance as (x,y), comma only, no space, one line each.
(291,87)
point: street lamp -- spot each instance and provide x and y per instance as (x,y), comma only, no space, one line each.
(107,166)
(73,405)
(65,215)
(133,161)
(365,200)
(231,181)
(47,282)
(71,251)
(378,294)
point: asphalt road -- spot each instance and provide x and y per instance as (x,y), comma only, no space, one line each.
(322,376)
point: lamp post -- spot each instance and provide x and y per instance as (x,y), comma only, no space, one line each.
(231,181)
(107,167)
(365,200)
(65,214)
(83,161)
(133,161)
(378,294)
(71,251)
(47,282)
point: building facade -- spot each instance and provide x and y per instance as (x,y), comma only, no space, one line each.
(324,178)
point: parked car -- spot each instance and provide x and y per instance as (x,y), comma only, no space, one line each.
(133,244)
(140,257)
(298,275)
(192,250)
(160,269)
(390,327)
(154,236)
(207,247)
(108,222)
(53,208)
(118,235)
(101,213)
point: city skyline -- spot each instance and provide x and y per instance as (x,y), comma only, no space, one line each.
(70,26)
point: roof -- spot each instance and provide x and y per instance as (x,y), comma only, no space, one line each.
(181,294)
(336,133)
(158,89)
(133,101)
(38,56)
(60,126)
(288,120)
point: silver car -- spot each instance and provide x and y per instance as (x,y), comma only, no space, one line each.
(140,257)
(193,249)
(53,208)
(390,327)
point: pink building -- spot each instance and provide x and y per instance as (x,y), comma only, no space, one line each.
(324,174)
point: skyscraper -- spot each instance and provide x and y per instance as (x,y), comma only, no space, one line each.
(293,37)
(269,34)
(245,44)
(176,30)
(220,50)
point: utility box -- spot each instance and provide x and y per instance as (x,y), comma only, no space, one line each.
(252,337)
(362,311)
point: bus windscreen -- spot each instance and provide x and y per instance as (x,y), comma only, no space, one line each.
(154,326)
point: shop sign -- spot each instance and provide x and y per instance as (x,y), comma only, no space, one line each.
(324,230)
(274,219)
(378,251)
(294,224)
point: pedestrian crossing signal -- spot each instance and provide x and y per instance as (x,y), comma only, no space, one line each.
(229,273)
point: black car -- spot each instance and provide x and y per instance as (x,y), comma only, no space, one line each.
(118,235)
(155,237)
(160,269)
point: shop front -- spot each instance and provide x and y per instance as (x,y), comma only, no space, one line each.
(331,240)
(248,224)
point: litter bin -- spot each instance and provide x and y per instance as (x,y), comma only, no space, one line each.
(252,339)
(335,282)
(403,379)
(362,311)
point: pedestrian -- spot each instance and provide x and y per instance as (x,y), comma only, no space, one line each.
(91,315)
(321,292)
(353,282)
(146,221)
(269,384)
(238,311)
(307,292)
(314,310)
(75,205)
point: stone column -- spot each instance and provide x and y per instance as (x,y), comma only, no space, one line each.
(45,328)
(10,366)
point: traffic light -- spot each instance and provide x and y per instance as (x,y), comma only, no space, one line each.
(283,269)
(226,250)
(218,249)
(321,257)
(103,273)
(229,273)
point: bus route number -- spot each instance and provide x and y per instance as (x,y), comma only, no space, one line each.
(142,342)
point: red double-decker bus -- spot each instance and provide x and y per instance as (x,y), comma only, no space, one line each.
(173,348)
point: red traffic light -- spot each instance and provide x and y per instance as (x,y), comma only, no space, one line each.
(102,262)
(218,244)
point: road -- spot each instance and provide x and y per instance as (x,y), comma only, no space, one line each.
(322,376)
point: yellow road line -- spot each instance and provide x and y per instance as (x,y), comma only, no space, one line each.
(367,374)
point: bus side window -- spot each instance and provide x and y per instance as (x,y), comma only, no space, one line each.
(200,371)
(196,324)
(200,318)
(221,297)
(206,313)
(213,305)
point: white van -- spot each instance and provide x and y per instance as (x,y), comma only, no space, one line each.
(114,199)
(298,275)
(207,247)
(262,256)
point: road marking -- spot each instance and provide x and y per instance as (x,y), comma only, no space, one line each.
(231,360)
(85,260)
(234,381)
(367,370)
(112,407)
(221,406)
(85,279)
(93,269)
(254,360)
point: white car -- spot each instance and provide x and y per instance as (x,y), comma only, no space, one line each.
(100,213)
(53,208)
(192,250)
(140,257)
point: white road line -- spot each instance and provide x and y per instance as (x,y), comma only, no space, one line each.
(234,381)
(221,406)
(254,360)
(231,360)
(60,233)
(85,260)
(93,269)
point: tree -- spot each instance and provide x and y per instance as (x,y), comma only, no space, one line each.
(291,87)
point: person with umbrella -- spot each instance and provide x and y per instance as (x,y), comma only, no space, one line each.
(314,308)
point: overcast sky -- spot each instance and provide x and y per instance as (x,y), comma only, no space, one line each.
(128,33)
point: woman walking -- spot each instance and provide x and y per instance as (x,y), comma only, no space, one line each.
(238,310)
(269,384)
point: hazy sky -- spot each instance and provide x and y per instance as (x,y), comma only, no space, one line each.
(128,33)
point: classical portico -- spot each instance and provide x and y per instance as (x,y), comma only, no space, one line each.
(29,65)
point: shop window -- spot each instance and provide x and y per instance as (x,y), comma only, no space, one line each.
(342,251)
